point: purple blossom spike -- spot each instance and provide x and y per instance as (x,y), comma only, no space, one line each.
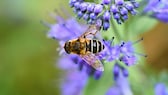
(121,85)
(97,74)
(114,9)
(86,16)
(129,7)
(83,6)
(118,9)
(81,64)
(135,4)
(80,14)
(74,83)
(127,48)
(71,2)
(161,17)
(113,91)
(106,25)
(116,71)
(106,2)
(125,72)
(90,70)
(98,9)
(77,5)
(123,11)
(157,9)
(160,89)
(106,16)
(119,2)
(116,16)
(114,53)
(129,60)
(90,7)
(125,52)
(93,16)
(133,12)
(124,17)
(66,28)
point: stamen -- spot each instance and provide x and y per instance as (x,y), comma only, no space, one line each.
(46,23)
(67,14)
(137,41)
(111,42)
(122,44)
(59,18)
(140,54)
(65,25)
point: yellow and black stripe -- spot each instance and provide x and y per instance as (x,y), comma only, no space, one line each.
(95,46)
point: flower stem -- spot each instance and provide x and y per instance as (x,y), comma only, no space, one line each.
(116,32)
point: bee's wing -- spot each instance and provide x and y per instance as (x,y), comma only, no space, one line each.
(92,60)
(93,29)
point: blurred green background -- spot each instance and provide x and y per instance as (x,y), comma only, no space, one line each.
(28,57)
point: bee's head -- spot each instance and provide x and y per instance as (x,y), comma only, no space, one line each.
(67,47)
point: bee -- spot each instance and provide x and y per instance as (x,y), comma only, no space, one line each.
(87,48)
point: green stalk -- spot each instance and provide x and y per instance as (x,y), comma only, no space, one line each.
(116,32)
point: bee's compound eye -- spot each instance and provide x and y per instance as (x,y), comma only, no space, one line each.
(66,47)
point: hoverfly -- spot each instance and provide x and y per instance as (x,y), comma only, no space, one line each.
(87,48)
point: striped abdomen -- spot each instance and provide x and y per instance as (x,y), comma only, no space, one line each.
(94,46)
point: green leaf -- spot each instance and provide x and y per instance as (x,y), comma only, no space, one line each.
(139,25)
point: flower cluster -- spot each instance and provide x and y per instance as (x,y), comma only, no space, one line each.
(74,80)
(121,85)
(157,9)
(123,52)
(91,12)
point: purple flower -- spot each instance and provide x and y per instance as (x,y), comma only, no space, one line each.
(118,10)
(124,52)
(75,79)
(157,9)
(121,85)
(117,69)
(129,55)
(106,2)
(129,60)
(160,89)
(74,82)
(113,91)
